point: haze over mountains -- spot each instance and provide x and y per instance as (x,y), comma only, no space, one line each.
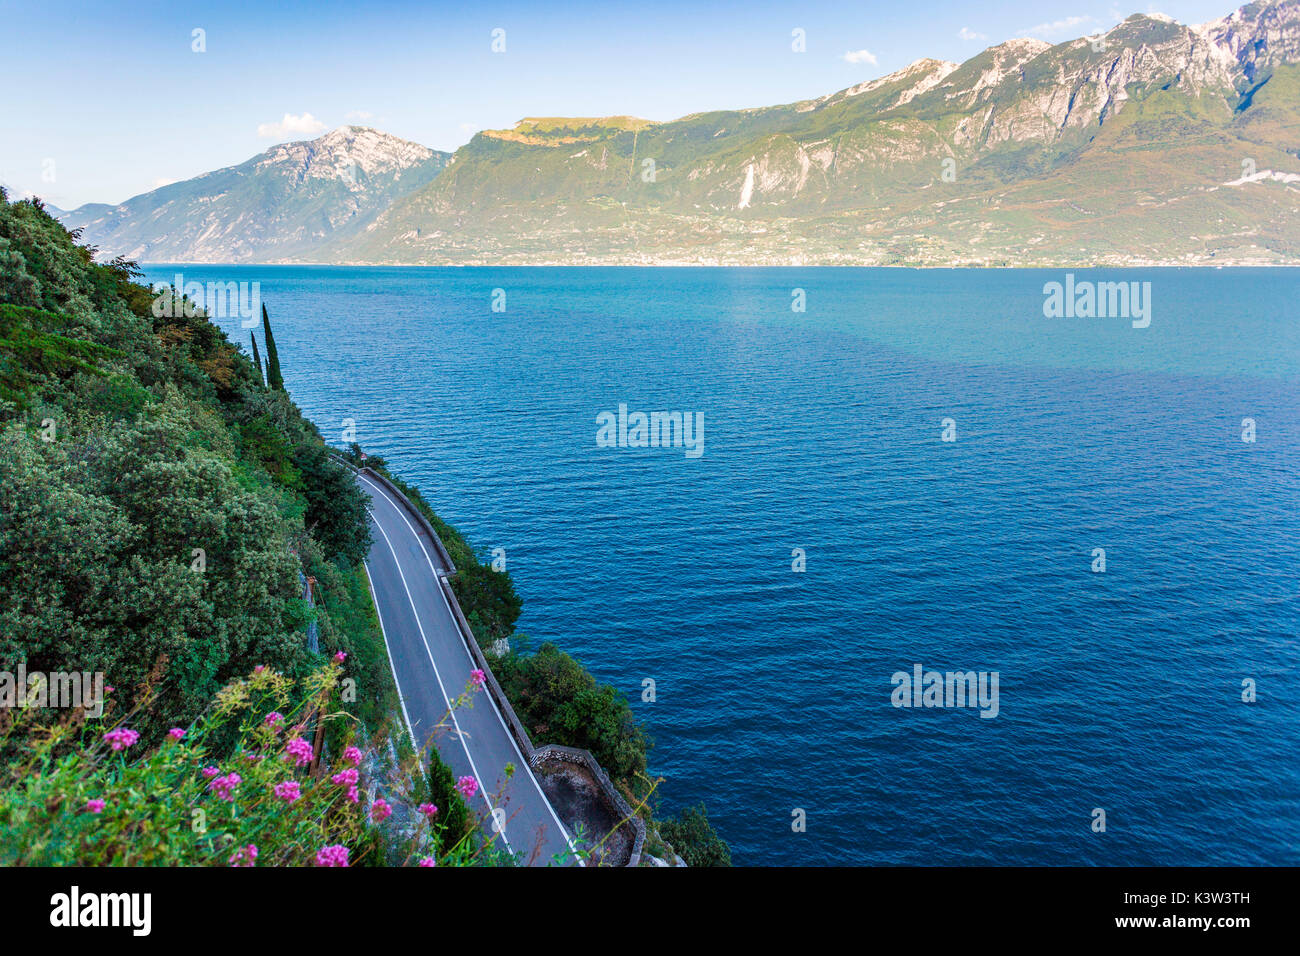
(1153,142)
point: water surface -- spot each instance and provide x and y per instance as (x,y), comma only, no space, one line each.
(1119,691)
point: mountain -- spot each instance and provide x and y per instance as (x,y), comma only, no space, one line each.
(1152,143)
(280,205)
(1155,142)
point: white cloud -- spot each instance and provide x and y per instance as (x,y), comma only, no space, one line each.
(860,56)
(966,33)
(1057,27)
(304,125)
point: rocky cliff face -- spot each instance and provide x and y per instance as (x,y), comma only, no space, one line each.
(1026,152)
(283,203)
(1151,142)
(1257,36)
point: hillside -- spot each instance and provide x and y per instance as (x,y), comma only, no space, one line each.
(284,203)
(162,511)
(1153,143)
(172,523)
(1157,142)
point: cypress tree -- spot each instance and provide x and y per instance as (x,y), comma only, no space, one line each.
(273,377)
(257,360)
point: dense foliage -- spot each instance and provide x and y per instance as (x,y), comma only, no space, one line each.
(157,503)
(454,817)
(561,702)
(695,839)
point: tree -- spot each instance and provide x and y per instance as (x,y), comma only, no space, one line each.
(273,377)
(695,840)
(336,508)
(30,353)
(491,598)
(148,549)
(257,359)
(560,702)
(453,815)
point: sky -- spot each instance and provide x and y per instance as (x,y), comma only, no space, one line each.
(105,101)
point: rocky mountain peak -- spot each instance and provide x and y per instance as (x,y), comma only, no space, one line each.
(348,153)
(914,79)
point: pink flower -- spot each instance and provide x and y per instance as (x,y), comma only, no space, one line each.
(121,738)
(224,787)
(467,786)
(299,750)
(380,810)
(259,668)
(341,656)
(336,855)
(254,758)
(274,719)
(244,856)
(95,806)
(429,810)
(427,861)
(352,755)
(347,775)
(176,733)
(210,772)
(477,678)
(289,791)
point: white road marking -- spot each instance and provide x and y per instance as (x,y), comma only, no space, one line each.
(389,654)
(429,651)
(495,710)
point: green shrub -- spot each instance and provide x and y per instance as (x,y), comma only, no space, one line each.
(453,822)
(336,507)
(560,702)
(694,838)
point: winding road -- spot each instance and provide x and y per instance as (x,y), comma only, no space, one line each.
(431,664)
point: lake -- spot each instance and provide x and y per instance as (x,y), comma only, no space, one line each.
(823,449)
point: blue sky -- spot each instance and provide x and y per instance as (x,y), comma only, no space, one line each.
(104,101)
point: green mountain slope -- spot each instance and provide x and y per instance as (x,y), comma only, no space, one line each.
(1120,148)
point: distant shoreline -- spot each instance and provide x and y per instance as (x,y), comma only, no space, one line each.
(729,265)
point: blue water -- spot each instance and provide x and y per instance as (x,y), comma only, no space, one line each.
(1119,691)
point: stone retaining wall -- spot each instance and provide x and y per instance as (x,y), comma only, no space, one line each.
(584,759)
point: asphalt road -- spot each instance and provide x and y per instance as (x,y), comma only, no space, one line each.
(431,664)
